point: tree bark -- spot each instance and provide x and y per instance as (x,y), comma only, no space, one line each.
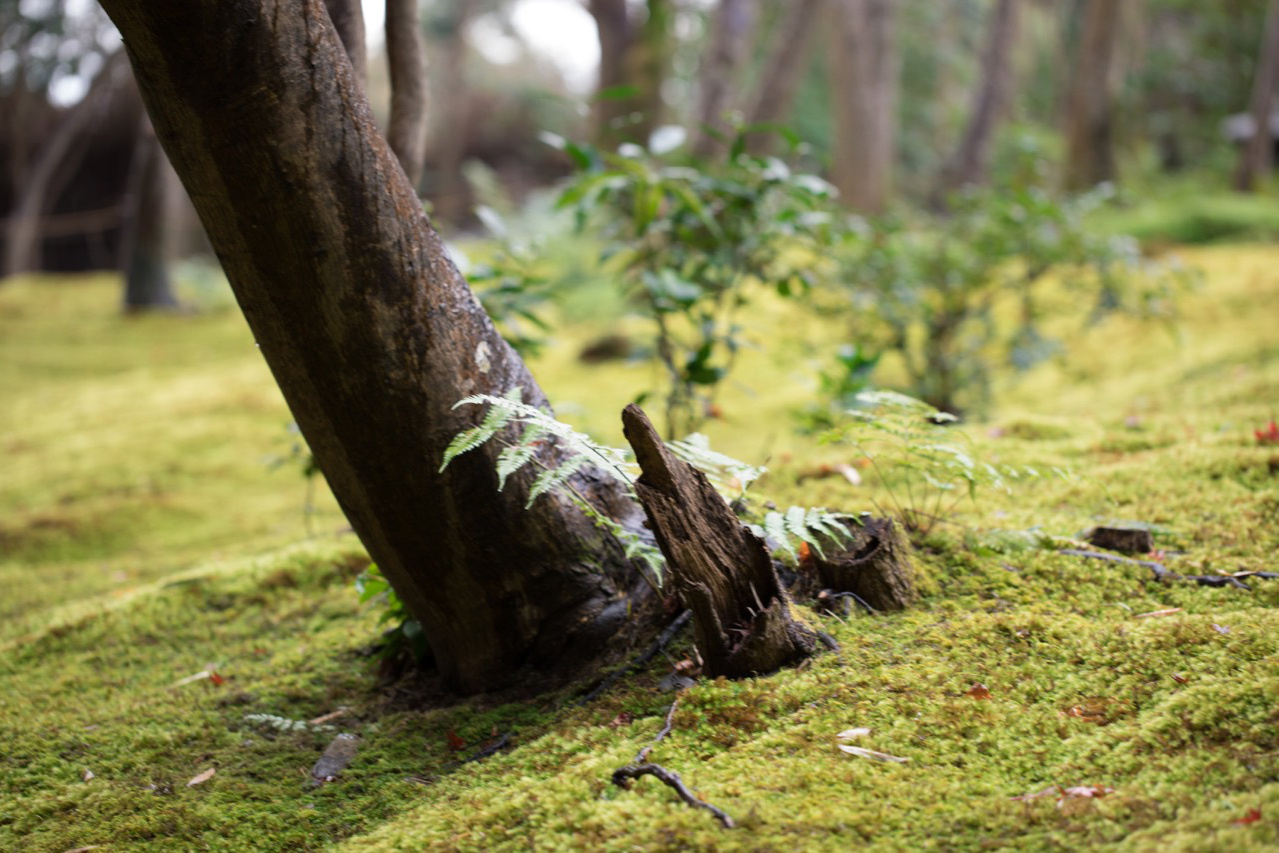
(149,210)
(1090,145)
(348,20)
(1257,157)
(970,164)
(741,614)
(865,84)
(406,57)
(372,335)
(788,58)
(33,199)
(876,566)
(732,29)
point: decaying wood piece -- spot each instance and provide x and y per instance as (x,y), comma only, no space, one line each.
(876,566)
(741,615)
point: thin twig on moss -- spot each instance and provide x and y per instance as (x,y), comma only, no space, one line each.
(623,776)
(1162,572)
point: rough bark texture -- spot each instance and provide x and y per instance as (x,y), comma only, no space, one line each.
(733,26)
(348,20)
(1257,156)
(784,68)
(865,66)
(406,57)
(741,614)
(371,333)
(150,209)
(876,566)
(1090,144)
(968,166)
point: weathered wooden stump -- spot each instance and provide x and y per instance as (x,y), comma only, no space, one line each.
(1125,540)
(876,565)
(742,622)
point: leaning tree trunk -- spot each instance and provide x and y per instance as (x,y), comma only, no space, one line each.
(1090,132)
(864,89)
(406,57)
(1257,156)
(149,210)
(371,333)
(348,20)
(788,58)
(969,165)
(742,619)
(733,25)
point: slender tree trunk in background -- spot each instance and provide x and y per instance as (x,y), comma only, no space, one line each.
(864,87)
(406,56)
(451,199)
(784,68)
(1090,143)
(732,30)
(33,197)
(971,161)
(372,334)
(1257,156)
(149,210)
(611,113)
(634,59)
(348,20)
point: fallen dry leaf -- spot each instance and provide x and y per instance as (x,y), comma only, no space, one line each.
(979,691)
(871,754)
(455,742)
(202,778)
(215,678)
(324,718)
(622,719)
(849,734)
(1251,816)
(1087,791)
(1167,612)
(1179,678)
(86,775)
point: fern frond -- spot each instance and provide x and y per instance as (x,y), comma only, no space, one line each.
(552,478)
(719,468)
(495,420)
(775,529)
(516,456)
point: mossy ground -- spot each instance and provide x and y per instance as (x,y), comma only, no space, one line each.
(143,537)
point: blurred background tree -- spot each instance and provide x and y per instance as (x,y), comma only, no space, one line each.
(897,103)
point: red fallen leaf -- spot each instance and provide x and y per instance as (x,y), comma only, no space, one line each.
(805,553)
(216,679)
(455,742)
(1252,816)
(1179,678)
(979,691)
(622,719)
(1269,435)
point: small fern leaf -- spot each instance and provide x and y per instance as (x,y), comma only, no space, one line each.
(552,478)
(796,522)
(494,421)
(775,528)
(516,456)
(829,524)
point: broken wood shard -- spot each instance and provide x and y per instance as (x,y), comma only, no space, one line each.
(875,566)
(742,621)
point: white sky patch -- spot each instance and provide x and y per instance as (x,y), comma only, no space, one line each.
(560,30)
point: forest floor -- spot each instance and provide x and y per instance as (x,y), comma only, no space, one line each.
(166,606)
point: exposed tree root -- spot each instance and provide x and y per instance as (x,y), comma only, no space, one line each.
(1163,573)
(623,776)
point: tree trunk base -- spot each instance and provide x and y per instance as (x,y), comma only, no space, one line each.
(876,566)
(742,619)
